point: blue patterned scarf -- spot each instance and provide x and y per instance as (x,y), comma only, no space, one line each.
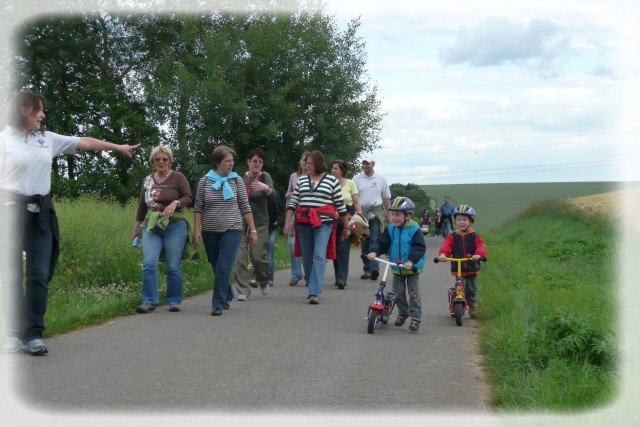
(219,181)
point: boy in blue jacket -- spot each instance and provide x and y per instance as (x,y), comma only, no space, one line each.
(403,241)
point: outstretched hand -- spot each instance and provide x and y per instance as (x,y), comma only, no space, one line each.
(127,150)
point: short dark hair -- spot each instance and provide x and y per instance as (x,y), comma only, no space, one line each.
(256,152)
(318,161)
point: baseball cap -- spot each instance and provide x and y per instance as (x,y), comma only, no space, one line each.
(368,160)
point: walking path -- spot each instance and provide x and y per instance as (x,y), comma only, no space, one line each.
(269,355)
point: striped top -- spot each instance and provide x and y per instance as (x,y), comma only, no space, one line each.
(326,192)
(219,215)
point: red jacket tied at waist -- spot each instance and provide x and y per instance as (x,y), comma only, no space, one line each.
(311,216)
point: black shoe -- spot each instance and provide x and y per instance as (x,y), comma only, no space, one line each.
(226,306)
(340,284)
(400,320)
(365,276)
(415,324)
(145,308)
(216,312)
(375,274)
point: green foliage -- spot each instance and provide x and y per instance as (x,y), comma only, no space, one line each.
(416,194)
(497,203)
(548,310)
(284,82)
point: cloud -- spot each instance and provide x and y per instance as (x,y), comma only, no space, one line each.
(497,41)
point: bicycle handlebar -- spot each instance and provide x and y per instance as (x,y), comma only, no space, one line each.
(397,264)
(481,259)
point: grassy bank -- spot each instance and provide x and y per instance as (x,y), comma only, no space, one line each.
(548,310)
(99,273)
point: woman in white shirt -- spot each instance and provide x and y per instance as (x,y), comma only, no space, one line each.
(29,218)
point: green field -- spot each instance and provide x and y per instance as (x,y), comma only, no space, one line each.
(496,203)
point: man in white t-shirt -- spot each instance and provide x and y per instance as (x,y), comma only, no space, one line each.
(374,198)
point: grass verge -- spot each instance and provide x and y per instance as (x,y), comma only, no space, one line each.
(548,310)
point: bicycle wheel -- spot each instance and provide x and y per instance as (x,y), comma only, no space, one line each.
(373,319)
(459,313)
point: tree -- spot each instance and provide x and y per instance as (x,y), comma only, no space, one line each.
(284,82)
(417,195)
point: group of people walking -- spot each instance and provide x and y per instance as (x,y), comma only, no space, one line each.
(235,219)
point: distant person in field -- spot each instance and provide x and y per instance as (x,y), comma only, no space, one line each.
(446,213)
(438,216)
(462,243)
(425,221)
(160,221)
(29,222)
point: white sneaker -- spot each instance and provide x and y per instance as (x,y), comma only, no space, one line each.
(12,345)
(243,297)
(264,291)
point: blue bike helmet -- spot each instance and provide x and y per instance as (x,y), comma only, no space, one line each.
(402,204)
(465,210)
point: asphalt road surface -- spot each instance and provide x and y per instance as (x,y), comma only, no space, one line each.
(267,355)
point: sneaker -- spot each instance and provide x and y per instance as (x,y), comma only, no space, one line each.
(365,276)
(313,299)
(36,347)
(400,320)
(243,297)
(415,324)
(375,274)
(270,283)
(340,284)
(12,345)
(264,290)
(226,306)
(216,312)
(174,308)
(473,312)
(145,308)
(294,282)
(253,283)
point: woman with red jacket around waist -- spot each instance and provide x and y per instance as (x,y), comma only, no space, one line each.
(316,202)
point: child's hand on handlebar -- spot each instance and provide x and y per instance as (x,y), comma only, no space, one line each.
(475,257)
(442,258)
(408,265)
(371,256)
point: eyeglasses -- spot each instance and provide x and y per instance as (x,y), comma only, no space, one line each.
(161,159)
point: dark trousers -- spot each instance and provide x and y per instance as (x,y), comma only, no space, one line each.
(24,309)
(343,248)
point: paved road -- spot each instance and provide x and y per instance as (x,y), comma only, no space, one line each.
(268,354)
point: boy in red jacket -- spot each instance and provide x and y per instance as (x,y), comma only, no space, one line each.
(465,242)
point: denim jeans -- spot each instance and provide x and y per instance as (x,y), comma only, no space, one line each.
(374,233)
(221,251)
(313,245)
(172,239)
(404,286)
(343,248)
(296,265)
(446,227)
(25,309)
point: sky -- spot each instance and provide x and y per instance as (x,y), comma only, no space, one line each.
(490,92)
(501,91)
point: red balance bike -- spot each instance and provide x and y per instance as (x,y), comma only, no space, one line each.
(457,302)
(382,306)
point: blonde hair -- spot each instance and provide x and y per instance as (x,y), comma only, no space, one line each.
(161,149)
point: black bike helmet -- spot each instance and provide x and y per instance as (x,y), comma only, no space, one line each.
(465,210)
